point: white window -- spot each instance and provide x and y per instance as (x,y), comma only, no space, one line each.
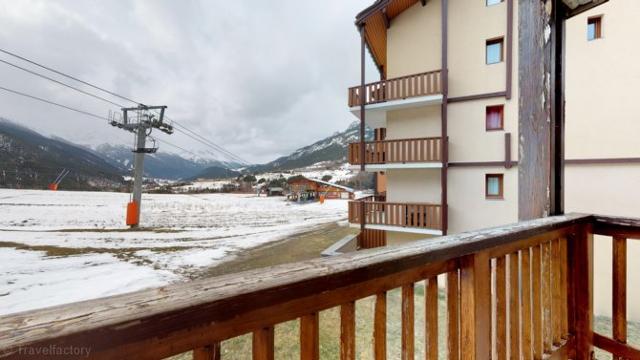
(493,2)
(594,28)
(495,52)
(494,187)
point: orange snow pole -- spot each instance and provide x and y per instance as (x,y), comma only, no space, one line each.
(53,186)
(132,213)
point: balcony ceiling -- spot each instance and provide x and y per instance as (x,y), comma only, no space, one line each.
(377,17)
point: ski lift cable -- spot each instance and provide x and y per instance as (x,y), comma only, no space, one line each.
(192,134)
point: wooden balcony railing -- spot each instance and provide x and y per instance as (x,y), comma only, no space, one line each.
(423,84)
(416,215)
(398,151)
(371,238)
(521,291)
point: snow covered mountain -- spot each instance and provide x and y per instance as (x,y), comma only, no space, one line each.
(161,165)
(30,160)
(330,149)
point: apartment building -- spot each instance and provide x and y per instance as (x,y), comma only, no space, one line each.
(445,114)
(446,148)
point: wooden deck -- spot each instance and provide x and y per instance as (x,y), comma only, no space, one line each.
(533,280)
(410,86)
(418,150)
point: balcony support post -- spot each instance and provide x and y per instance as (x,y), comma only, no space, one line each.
(362,96)
(541,124)
(363,99)
(444,74)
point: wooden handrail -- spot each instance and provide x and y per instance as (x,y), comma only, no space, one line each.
(422,84)
(416,215)
(548,261)
(414,150)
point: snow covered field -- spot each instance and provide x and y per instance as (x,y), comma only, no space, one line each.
(59,247)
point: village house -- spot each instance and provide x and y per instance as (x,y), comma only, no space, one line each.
(305,189)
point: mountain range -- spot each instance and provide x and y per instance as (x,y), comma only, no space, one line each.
(330,149)
(29,159)
(162,165)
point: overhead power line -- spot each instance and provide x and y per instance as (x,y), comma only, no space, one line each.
(193,134)
(19,93)
(185,130)
(53,103)
(66,75)
(60,83)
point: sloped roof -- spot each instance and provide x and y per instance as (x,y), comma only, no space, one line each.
(345,188)
(376,18)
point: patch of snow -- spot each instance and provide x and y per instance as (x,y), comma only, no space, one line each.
(180,234)
(32,280)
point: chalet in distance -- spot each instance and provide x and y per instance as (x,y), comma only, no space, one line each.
(303,189)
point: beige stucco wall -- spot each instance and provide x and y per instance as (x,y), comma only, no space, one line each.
(471,23)
(413,185)
(603,120)
(414,122)
(469,141)
(468,207)
(610,190)
(414,41)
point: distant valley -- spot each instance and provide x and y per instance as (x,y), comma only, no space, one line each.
(30,160)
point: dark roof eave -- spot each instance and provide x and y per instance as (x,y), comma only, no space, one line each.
(373,8)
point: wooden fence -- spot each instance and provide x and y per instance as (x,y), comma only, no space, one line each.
(423,84)
(397,151)
(531,280)
(417,215)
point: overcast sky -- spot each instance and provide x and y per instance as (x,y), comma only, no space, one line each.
(260,78)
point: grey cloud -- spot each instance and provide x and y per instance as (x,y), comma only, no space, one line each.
(260,78)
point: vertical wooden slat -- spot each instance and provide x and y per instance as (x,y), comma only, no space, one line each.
(581,252)
(211,352)
(475,307)
(380,327)
(501,308)
(514,308)
(263,348)
(619,289)
(452,316)
(309,337)
(536,283)
(546,298)
(408,311)
(564,324)
(348,331)
(555,292)
(525,309)
(431,318)
(404,88)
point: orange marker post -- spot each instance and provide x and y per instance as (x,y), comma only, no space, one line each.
(132,214)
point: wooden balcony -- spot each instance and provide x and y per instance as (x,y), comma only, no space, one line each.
(404,151)
(411,86)
(533,280)
(388,215)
